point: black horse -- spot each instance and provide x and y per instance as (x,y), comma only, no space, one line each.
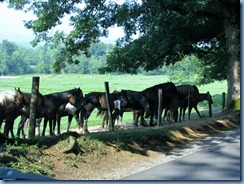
(70,111)
(168,92)
(54,100)
(40,112)
(91,101)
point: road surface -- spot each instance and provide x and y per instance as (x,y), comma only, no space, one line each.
(216,158)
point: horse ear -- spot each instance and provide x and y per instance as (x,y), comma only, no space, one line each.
(17,89)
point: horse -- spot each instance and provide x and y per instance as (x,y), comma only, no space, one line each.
(70,111)
(190,98)
(151,94)
(193,102)
(41,109)
(91,101)
(11,106)
(54,100)
(133,101)
(171,108)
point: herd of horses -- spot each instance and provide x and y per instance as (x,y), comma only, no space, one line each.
(73,103)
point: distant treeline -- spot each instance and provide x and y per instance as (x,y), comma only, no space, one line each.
(19,60)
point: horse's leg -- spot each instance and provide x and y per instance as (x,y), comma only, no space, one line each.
(56,121)
(12,128)
(165,114)
(181,108)
(143,121)
(151,118)
(189,112)
(38,124)
(78,121)
(135,118)
(7,127)
(184,111)
(195,107)
(105,119)
(85,128)
(44,125)
(70,116)
(24,126)
(175,115)
(52,120)
(21,126)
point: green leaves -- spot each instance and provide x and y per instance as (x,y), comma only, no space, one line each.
(168,31)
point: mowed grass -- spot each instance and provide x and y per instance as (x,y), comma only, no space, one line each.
(56,83)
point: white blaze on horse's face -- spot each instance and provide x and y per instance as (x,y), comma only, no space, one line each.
(117,104)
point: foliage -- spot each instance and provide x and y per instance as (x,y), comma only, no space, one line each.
(168,31)
(182,71)
(18,60)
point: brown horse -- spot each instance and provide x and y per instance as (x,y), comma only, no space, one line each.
(194,102)
(11,106)
(190,98)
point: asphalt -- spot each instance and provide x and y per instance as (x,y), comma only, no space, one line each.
(216,162)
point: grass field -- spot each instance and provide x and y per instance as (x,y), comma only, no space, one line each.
(88,83)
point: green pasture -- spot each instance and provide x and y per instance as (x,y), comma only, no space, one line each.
(88,83)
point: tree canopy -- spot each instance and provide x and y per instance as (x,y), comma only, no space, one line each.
(168,31)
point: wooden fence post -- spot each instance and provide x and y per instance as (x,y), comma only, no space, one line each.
(108,106)
(223,101)
(159,106)
(33,105)
(210,107)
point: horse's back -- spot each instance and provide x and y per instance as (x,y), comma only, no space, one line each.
(6,97)
(183,90)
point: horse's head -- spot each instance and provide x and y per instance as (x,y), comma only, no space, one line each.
(19,97)
(76,97)
(209,98)
(41,106)
(20,101)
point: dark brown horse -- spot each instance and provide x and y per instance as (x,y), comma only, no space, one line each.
(54,100)
(190,98)
(151,93)
(193,102)
(41,108)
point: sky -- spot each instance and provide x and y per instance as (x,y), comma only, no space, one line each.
(12,26)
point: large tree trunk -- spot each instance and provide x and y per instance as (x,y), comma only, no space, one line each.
(232,30)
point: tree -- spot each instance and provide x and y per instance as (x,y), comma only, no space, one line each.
(183,71)
(168,30)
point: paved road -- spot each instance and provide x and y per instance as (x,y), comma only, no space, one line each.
(218,158)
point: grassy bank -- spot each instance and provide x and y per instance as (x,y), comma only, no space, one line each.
(101,151)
